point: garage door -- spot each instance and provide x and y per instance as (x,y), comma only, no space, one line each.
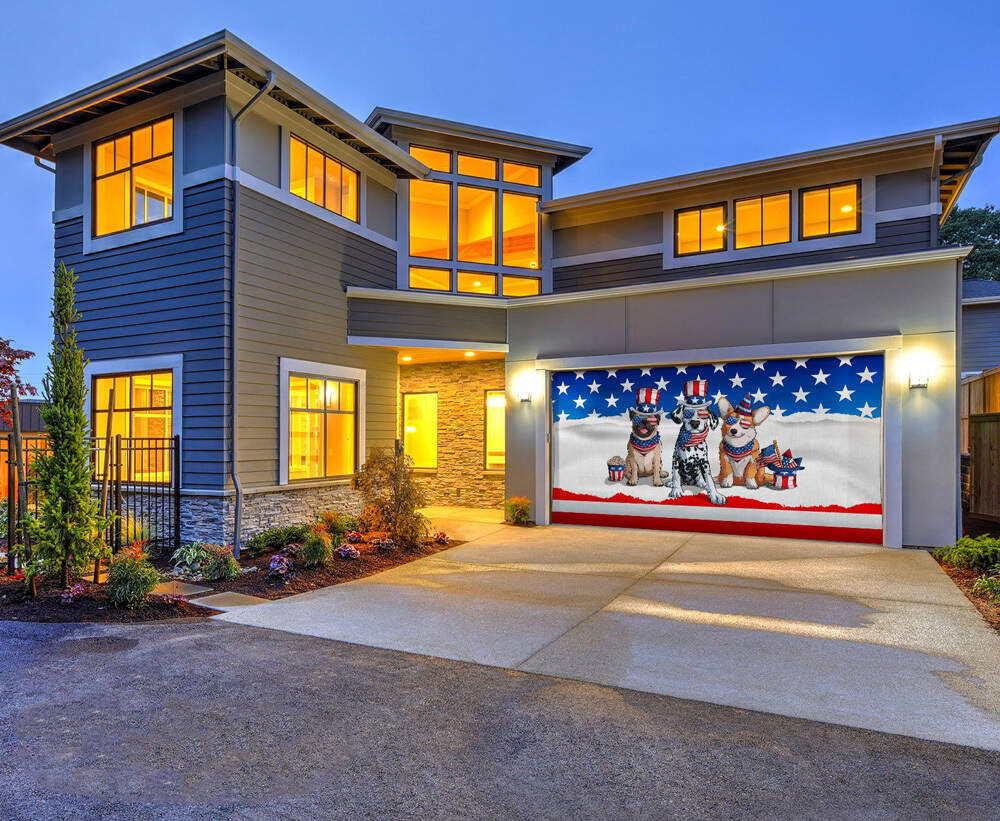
(771,447)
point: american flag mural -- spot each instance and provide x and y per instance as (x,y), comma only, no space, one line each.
(795,448)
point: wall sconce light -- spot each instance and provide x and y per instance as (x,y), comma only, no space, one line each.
(918,376)
(920,366)
(524,386)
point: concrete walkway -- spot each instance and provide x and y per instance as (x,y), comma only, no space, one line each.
(855,635)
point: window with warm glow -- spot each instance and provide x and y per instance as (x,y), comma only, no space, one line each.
(420,428)
(323,180)
(483,167)
(521,173)
(143,409)
(430,219)
(496,409)
(763,220)
(322,429)
(430,279)
(434,158)
(520,230)
(830,210)
(134,178)
(700,230)
(521,286)
(477,223)
(471,282)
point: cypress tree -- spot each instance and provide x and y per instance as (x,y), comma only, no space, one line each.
(67,532)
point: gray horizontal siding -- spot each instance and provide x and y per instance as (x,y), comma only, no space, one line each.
(167,296)
(292,272)
(424,320)
(980,337)
(895,237)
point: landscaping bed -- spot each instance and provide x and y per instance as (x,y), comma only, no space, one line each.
(965,578)
(90,606)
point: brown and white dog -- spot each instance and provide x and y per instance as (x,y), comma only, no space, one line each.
(739,449)
(644,452)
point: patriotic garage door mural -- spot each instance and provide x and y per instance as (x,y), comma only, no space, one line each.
(775,447)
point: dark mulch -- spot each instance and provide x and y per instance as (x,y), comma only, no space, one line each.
(92,606)
(259,583)
(965,578)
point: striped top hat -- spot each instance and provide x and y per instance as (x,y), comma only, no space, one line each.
(696,392)
(647,400)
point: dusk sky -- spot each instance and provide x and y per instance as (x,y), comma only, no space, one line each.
(657,88)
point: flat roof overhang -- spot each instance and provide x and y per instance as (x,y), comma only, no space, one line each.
(32,132)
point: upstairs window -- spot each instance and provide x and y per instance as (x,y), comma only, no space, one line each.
(430,219)
(434,158)
(522,174)
(134,178)
(477,225)
(323,180)
(830,210)
(763,220)
(700,230)
(520,230)
(482,167)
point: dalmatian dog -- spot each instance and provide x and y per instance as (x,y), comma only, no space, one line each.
(644,449)
(690,460)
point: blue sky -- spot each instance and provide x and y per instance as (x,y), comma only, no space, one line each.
(657,88)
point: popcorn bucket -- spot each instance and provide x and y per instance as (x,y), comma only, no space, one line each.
(616,470)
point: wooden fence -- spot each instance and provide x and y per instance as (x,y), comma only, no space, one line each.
(980,394)
(984,449)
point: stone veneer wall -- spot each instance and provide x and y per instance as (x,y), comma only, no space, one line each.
(210,518)
(460,478)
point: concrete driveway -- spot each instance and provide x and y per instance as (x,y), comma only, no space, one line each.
(855,635)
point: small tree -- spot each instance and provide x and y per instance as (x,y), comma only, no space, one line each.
(386,482)
(979,227)
(10,379)
(67,532)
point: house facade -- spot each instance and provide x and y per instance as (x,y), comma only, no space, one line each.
(287,287)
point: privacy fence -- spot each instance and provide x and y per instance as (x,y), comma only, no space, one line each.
(138,480)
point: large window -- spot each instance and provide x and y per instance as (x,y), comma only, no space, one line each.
(134,178)
(763,220)
(477,225)
(143,409)
(322,427)
(521,286)
(520,230)
(323,180)
(496,409)
(434,158)
(522,174)
(430,219)
(700,230)
(420,428)
(830,210)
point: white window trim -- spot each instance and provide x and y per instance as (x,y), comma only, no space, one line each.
(286,367)
(142,364)
(164,228)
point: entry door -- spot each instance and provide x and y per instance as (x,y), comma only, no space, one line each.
(807,433)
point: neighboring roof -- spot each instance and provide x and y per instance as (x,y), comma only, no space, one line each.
(957,150)
(222,51)
(980,290)
(565,153)
(31,419)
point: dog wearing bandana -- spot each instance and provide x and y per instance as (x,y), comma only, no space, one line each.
(739,451)
(690,463)
(644,451)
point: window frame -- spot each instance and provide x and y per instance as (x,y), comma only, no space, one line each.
(503,168)
(451,279)
(486,418)
(497,239)
(437,426)
(829,186)
(323,412)
(503,291)
(94,177)
(724,205)
(761,198)
(496,166)
(326,156)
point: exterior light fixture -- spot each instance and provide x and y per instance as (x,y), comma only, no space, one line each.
(407,358)
(920,367)
(524,386)
(847,208)
(470,353)
(918,377)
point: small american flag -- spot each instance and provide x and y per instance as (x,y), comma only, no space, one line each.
(770,455)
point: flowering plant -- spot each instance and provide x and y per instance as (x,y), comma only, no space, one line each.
(173,598)
(354,537)
(282,568)
(348,551)
(441,537)
(68,596)
(384,544)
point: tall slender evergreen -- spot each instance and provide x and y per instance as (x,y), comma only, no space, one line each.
(67,531)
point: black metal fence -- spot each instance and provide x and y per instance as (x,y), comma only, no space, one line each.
(140,478)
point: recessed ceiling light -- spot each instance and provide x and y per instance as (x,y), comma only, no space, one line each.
(720,227)
(846,208)
(477,283)
(470,353)
(407,358)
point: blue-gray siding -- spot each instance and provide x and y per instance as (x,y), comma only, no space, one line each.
(895,237)
(167,296)
(425,320)
(980,337)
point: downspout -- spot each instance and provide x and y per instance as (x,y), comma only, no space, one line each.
(234,234)
(40,164)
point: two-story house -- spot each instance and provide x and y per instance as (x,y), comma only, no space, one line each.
(768,348)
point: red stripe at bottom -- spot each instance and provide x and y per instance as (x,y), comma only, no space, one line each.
(784,531)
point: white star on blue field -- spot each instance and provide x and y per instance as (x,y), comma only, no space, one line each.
(822,385)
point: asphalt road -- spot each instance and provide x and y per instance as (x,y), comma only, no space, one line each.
(212,720)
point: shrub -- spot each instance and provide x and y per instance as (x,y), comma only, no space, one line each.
(370,519)
(317,548)
(338,524)
(131,578)
(190,556)
(989,586)
(220,563)
(982,553)
(348,551)
(518,510)
(274,539)
(387,484)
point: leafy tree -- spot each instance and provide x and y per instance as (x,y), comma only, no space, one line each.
(10,358)
(979,227)
(67,532)
(386,482)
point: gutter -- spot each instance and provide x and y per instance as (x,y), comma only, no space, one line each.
(233,261)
